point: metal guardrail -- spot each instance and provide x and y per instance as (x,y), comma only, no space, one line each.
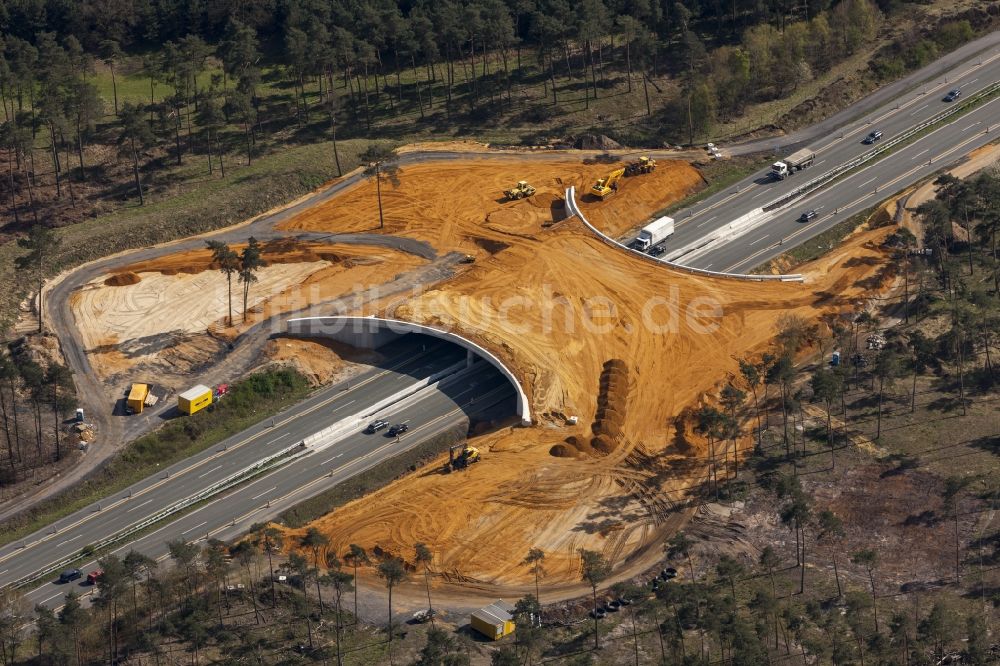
(573,209)
(807,187)
(244,474)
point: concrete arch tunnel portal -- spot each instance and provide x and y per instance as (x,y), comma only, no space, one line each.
(374,332)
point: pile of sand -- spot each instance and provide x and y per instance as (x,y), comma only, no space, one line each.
(123,279)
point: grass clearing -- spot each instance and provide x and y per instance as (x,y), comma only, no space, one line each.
(720,174)
(248,402)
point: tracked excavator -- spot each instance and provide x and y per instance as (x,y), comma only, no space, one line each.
(608,185)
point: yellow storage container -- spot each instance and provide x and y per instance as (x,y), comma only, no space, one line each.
(494,621)
(194,399)
(137,397)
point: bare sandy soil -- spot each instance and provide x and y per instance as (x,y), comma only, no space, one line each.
(624,345)
(170,314)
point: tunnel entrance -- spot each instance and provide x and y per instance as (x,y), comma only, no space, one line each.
(375,333)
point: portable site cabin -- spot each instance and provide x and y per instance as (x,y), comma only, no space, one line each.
(194,399)
(137,397)
(494,621)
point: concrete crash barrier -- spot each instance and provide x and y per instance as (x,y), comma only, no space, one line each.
(573,209)
(373,332)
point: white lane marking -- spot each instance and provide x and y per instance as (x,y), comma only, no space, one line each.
(709,266)
(760,239)
(867,181)
(265,492)
(971,82)
(971,126)
(710,219)
(4,571)
(820,162)
(63,543)
(919,154)
(920,109)
(57,594)
(140,505)
(758,194)
(210,471)
(326,461)
(195,527)
(345,405)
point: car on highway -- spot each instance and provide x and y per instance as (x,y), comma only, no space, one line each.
(873,136)
(657,250)
(377,425)
(397,430)
(69,575)
(953,95)
(94,576)
(806,216)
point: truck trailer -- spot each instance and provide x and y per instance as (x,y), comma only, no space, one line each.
(797,161)
(194,399)
(654,232)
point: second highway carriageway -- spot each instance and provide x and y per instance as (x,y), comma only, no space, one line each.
(455,391)
(911,109)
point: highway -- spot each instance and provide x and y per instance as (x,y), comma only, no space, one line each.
(429,412)
(437,409)
(895,171)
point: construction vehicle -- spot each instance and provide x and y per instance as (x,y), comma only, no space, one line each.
(469,455)
(606,186)
(520,191)
(797,161)
(644,165)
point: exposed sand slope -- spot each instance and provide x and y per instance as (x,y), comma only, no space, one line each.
(614,488)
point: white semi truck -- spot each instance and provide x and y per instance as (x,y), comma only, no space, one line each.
(797,161)
(654,232)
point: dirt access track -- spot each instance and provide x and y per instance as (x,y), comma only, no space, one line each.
(591,331)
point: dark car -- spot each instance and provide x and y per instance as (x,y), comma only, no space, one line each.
(398,429)
(69,574)
(657,250)
(375,426)
(873,137)
(806,216)
(953,95)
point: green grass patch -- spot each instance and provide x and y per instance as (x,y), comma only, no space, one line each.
(361,484)
(720,174)
(249,401)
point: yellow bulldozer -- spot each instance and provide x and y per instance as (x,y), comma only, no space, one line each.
(520,191)
(608,185)
(644,165)
(468,455)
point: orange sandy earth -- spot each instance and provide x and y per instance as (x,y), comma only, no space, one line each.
(184,297)
(590,331)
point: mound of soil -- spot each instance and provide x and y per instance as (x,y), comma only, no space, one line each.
(596,142)
(123,279)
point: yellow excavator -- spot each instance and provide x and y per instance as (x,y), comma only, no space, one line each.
(644,165)
(468,455)
(608,185)
(520,191)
